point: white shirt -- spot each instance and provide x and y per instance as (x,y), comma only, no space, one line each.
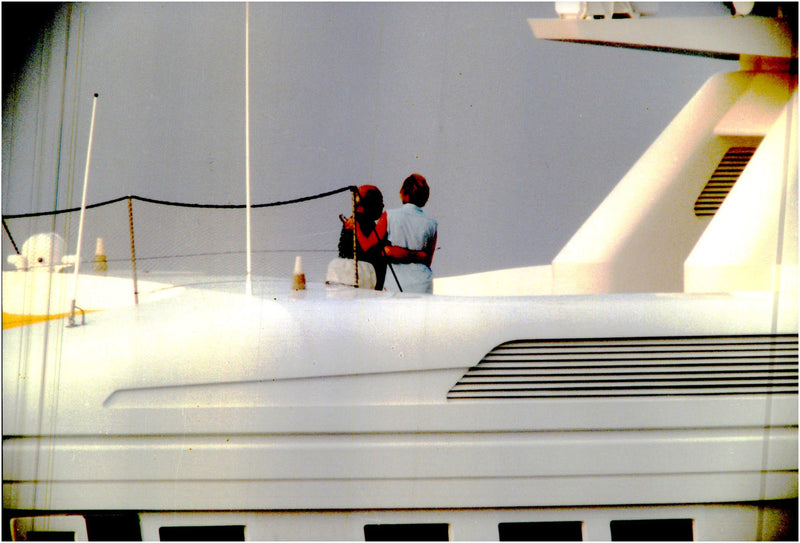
(409,227)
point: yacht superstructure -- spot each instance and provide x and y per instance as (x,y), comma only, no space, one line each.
(647,389)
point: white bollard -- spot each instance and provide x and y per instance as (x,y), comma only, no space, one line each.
(100,260)
(299,279)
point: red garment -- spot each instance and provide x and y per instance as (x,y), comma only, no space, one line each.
(373,235)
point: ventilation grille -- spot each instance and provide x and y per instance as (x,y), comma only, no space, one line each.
(692,366)
(730,168)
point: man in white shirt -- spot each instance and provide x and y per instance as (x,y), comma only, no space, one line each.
(412,240)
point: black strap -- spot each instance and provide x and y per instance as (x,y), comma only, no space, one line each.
(395,276)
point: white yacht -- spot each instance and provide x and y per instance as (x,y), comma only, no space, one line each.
(643,386)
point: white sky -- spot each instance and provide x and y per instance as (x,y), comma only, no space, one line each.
(520,139)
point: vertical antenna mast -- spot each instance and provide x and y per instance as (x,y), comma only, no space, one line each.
(83,211)
(248,282)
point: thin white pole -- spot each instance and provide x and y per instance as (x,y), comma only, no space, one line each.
(83,212)
(249,281)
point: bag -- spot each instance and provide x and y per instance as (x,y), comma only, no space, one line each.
(342,272)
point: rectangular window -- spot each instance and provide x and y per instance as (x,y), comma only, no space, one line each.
(201,533)
(680,529)
(541,531)
(407,532)
(67,527)
(113,527)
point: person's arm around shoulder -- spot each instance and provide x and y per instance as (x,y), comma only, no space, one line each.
(401,255)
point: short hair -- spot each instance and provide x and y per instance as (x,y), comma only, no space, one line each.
(416,190)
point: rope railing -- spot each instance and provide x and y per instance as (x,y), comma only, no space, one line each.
(193,246)
(179,204)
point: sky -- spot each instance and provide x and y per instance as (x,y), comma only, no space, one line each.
(520,139)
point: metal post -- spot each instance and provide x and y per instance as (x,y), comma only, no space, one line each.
(248,281)
(83,212)
(133,252)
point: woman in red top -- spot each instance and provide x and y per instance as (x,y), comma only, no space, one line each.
(370,228)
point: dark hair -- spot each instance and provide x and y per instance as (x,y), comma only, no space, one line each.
(415,188)
(370,202)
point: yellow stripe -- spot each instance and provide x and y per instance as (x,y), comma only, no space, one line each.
(11,320)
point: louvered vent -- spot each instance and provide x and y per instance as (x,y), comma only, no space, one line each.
(730,168)
(691,366)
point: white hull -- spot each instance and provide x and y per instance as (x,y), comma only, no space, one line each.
(288,415)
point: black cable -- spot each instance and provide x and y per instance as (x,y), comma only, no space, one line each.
(8,233)
(180,204)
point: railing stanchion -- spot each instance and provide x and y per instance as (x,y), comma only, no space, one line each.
(73,307)
(133,251)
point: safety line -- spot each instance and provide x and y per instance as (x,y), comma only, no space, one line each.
(179,204)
